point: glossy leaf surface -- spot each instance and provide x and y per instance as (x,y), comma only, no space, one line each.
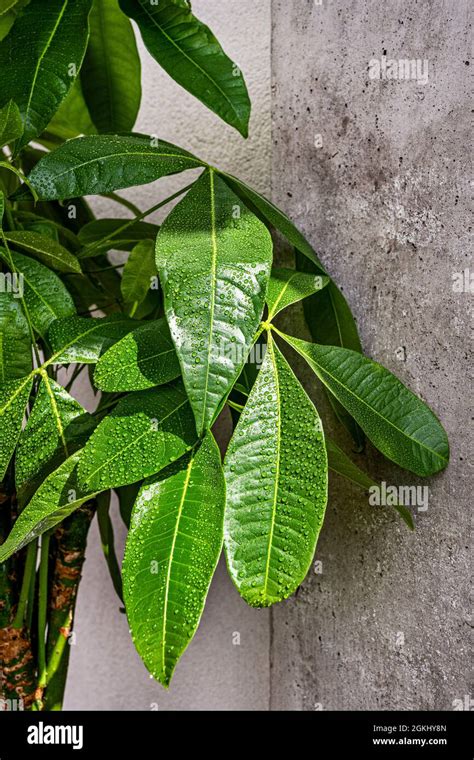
(79,339)
(187,49)
(213,257)
(15,340)
(41,59)
(14,396)
(138,272)
(286,286)
(144,433)
(11,125)
(97,164)
(172,550)
(110,74)
(142,359)
(56,499)
(397,422)
(276,481)
(47,250)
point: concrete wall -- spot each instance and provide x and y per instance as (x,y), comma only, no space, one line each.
(384,201)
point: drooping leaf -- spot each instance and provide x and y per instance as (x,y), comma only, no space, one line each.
(15,339)
(127,496)
(106,531)
(286,286)
(48,438)
(213,257)
(339,462)
(97,164)
(14,396)
(45,295)
(276,482)
(327,312)
(11,125)
(41,59)
(144,433)
(47,250)
(58,497)
(83,340)
(397,422)
(173,546)
(110,74)
(138,273)
(142,359)
(189,52)
(124,241)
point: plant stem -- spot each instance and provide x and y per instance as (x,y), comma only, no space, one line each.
(30,567)
(42,608)
(123,202)
(86,251)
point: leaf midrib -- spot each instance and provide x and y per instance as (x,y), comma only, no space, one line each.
(277,466)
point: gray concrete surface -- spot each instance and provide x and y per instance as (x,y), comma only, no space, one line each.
(384,200)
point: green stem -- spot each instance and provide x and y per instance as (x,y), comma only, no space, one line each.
(86,251)
(30,567)
(123,202)
(42,608)
(234,405)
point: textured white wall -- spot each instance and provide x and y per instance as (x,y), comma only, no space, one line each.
(105,671)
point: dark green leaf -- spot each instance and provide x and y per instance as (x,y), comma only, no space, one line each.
(83,340)
(56,499)
(339,462)
(45,249)
(107,540)
(98,164)
(139,274)
(172,550)
(14,396)
(110,74)
(46,440)
(124,241)
(70,120)
(144,433)
(397,422)
(286,286)
(15,339)
(142,359)
(214,257)
(127,496)
(187,49)
(45,296)
(276,482)
(11,125)
(41,59)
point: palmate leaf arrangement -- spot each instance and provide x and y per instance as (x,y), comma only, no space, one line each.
(166,339)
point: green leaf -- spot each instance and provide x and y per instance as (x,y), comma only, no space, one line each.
(80,340)
(98,164)
(47,250)
(15,339)
(339,462)
(127,496)
(14,397)
(103,228)
(144,433)
(327,313)
(71,119)
(45,296)
(142,359)
(40,60)
(58,497)
(189,52)
(106,531)
(397,422)
(276,481)
(138,273)
(172,550)
(48,437)
(11,125)
(110,74)
(214,257)
(287,286)
(6,5)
